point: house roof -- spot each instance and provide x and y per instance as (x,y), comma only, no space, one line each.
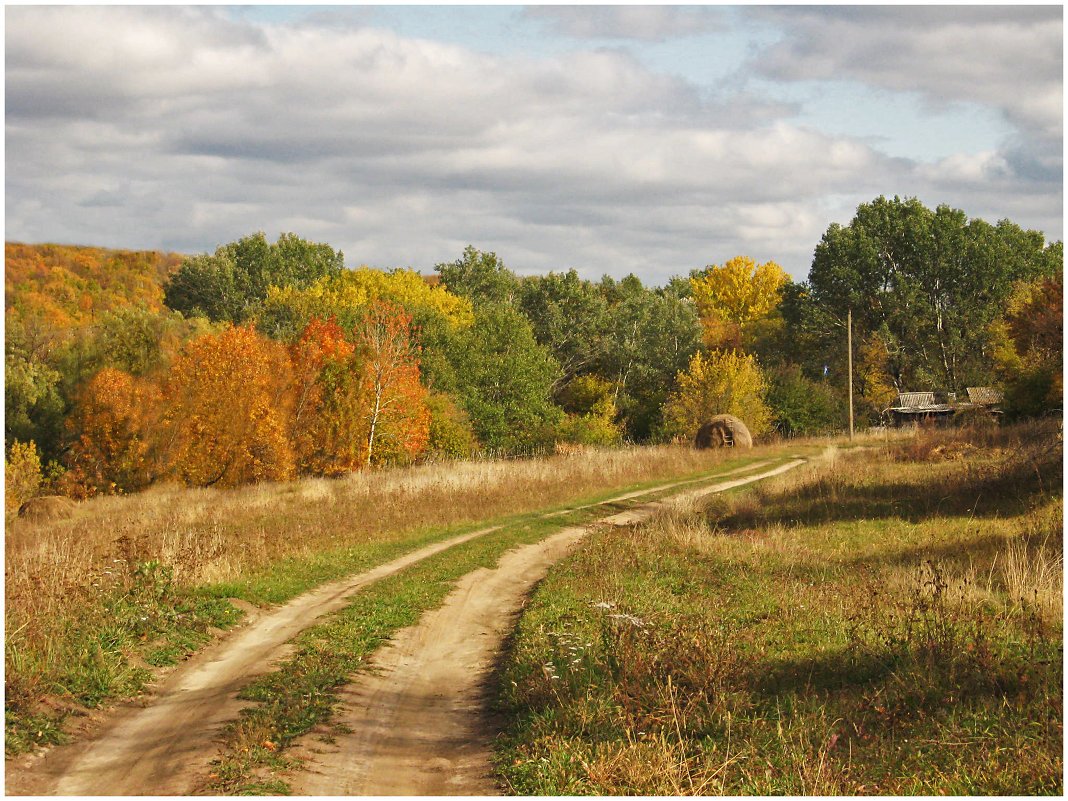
(918,403)
(914,400)
(984,396)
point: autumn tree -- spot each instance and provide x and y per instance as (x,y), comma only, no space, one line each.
(112,429)
(227,403)
(22,475)
(326,420)
(589,402)
(451,435)
(720,382)
(394,410)
(734,296)
(1029,347)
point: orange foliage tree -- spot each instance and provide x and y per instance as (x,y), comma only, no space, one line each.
(393,401)
(227,404)
(112,425)
(327,429)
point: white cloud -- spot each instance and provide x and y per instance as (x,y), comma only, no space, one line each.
(1007,58)
(180,128)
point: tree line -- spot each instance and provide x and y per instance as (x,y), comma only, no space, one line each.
(268,360)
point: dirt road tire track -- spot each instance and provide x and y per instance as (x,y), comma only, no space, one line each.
(419,721)
(161,743)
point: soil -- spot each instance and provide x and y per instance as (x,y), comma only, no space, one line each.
(420,723)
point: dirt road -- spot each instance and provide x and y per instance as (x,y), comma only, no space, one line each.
(162,745)
(419,723)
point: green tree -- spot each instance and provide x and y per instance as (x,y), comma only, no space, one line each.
(929,283)
(230,285)
(569,316)
(503,379)
(801,406)
(480,276)
(651,337)
(34,405)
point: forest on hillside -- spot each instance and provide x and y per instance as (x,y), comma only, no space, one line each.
(270,360)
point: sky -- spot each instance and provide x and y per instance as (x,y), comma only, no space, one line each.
(650,140)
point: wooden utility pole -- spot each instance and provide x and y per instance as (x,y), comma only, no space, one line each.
(849,347)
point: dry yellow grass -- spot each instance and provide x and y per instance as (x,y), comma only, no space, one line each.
(210,535)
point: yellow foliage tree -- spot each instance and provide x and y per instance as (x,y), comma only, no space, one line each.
(347,296)
(113,425)
(735,295)
(589,401)
(22,475)
(721,382)
(873,377)
(395,412)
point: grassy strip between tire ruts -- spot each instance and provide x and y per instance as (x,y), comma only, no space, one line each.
(303,691)
(889,625)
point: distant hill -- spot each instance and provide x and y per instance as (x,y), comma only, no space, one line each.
(68,285)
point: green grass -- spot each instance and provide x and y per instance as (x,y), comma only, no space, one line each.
(891,625)
(145,621)
(303,691)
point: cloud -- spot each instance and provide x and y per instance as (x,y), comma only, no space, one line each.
(642,23)
(181,128)
(1006,58)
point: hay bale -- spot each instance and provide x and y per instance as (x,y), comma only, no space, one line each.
(722,430)
(47,508)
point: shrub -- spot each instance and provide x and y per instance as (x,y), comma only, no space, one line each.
(451,436)
(22,474)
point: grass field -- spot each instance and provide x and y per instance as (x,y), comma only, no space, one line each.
(887,621)
(95,603)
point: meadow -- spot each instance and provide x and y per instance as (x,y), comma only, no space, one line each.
(885,621)
(133,583)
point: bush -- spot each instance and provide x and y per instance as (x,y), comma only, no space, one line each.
(801,406)
(1034,392)
(22,475)
(451,436)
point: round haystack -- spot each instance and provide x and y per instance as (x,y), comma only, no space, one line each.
(723,430)
(47,508)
